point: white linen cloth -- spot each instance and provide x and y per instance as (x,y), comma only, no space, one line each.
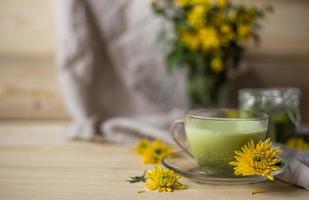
(110,63)
(110,68)
(298,167)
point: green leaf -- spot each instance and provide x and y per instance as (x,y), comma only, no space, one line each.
(176,57)
(136,179)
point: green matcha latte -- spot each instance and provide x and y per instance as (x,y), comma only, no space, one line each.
(213,141)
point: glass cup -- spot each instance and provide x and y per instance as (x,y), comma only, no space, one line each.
(281,104)
(211,136)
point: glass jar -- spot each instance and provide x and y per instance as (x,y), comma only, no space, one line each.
(282,105)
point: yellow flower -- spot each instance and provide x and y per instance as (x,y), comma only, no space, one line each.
(259,159)
(155,153)
(190,40)
(209,38)
(196,16)
(216,64)
(150,158)
(298,144)
(223,3)
(244,31)
(226,29)
(163,180)
(182,3)
(227,33)
(202,2)
(142,146)
(232,114)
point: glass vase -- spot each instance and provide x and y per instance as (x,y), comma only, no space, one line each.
(208,91)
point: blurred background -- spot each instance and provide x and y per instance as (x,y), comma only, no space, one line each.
(99,81)
(29,86)
(28,78)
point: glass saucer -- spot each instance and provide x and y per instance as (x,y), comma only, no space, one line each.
(183,164)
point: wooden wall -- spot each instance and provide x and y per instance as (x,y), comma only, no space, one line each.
(28,81)
(282,59)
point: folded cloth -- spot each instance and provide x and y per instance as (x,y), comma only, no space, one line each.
(298,167)
(128,130)
(110,64)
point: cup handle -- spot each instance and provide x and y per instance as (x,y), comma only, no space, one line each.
(179,136)
(294,117)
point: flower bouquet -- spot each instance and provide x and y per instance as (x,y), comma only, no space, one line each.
(208,39)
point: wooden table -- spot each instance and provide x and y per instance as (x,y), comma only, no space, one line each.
(36,163)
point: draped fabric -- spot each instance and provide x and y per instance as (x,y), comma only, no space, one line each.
(111,64)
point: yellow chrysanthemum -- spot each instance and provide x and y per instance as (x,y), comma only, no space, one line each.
(232,114)
(259,159)
(190,40)
(244,31)
(155,153)
(182,3)
(209,38)
(200,2)
(163,180)
(150,158)
(196,16)
(142,146)
(298,144)
(225,29)
(216,64)
(223,3)
(227,33)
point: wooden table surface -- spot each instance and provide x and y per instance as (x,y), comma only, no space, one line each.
(36,163)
